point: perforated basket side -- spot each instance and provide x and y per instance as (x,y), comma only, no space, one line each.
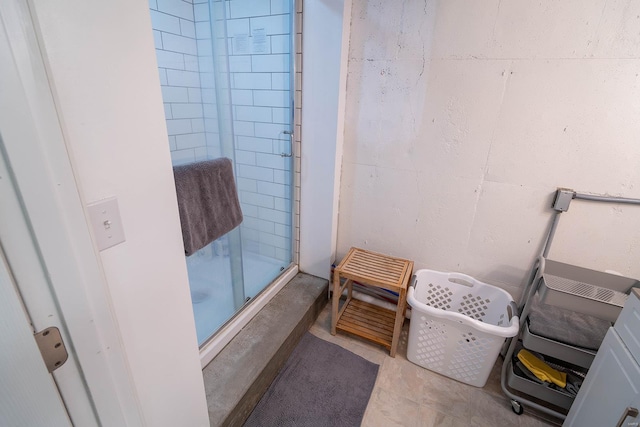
(481,302)
(427,344)
(451,349)
(437,295)
(474,356)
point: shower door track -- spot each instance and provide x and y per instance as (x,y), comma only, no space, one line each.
(228,331)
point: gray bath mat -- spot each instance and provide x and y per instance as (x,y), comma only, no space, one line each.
(321,384)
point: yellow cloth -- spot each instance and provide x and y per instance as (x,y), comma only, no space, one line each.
(541,369)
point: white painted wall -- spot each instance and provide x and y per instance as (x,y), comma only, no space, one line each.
(324,48)
(463,117)
(103,70)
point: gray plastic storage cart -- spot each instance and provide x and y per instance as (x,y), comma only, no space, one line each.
(565,314)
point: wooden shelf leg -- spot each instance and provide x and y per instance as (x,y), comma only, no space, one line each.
(335,300)
(397,328)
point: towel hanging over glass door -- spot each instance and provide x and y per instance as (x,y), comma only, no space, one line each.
(226,73)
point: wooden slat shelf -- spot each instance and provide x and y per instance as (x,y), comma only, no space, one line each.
(363,319)
(368,321)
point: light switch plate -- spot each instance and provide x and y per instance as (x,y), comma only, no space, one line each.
(106,222)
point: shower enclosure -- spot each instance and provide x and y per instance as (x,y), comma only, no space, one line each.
(226,72)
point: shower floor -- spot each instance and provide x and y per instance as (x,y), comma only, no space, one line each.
(212,290)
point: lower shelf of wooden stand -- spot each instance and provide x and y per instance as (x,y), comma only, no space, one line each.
(368,321)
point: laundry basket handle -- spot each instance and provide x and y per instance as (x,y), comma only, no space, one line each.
(414,281)
(461,279)
(512,309)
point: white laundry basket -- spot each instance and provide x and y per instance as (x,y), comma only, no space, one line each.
(458,325)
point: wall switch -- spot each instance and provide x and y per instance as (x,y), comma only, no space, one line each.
(563,199)
(107,225)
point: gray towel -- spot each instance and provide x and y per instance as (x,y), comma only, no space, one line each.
(207,201)
(567,326)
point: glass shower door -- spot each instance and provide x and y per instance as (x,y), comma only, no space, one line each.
(225,69)
(259,41)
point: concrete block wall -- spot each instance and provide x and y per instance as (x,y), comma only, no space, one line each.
(259,35)
(462,118)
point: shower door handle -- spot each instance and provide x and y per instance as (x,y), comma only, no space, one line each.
(629,412)
(290,133)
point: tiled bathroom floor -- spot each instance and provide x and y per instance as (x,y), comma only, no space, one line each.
(407,395)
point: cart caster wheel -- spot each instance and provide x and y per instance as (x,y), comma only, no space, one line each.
(516,407)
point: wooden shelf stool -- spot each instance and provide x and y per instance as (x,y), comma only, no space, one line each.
(360,318)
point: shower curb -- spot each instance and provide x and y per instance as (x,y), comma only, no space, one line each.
(238,376)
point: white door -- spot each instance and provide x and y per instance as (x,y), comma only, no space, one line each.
(28,394)
(24,274)
(49,269)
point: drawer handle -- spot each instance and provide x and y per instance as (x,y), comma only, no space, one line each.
(629,412)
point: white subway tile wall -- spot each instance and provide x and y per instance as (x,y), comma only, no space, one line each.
(259,40)
(297,121)
(259,64)
(178,52)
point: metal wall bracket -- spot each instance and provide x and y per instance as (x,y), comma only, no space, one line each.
(290,134)
(52,348)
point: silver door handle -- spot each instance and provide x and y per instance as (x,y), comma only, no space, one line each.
(629,412)
(290,133)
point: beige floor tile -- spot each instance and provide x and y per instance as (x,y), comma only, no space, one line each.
(490,410)
(402,343)
(370,351)
(402,377)
(527,420)
(446,395)
(387,409)
(408,395)
(324,318)
(362,349)
(429,417)
(493,382)
(532,417)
